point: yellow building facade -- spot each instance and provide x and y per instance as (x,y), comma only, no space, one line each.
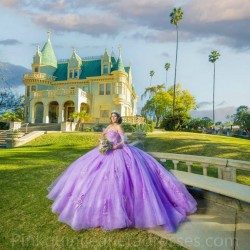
(55,89)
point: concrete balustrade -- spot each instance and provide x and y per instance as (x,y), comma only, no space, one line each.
(226,167)
(225,184)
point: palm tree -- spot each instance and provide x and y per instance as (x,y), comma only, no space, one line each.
(175,18)
(213,57)
(82,116)
(167,67)
(151,73)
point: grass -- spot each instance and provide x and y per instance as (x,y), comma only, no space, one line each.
(25,172)
(203,145)
(26,218)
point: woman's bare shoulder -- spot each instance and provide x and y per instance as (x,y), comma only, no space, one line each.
(119,128)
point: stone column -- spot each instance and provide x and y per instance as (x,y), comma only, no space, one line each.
(229,173)
(32,113)
(61,113)
(46,113)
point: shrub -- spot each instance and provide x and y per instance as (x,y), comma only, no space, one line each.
(99,127)
(88,129)
(150,127)
(127,127)
(4,126)
(140,128)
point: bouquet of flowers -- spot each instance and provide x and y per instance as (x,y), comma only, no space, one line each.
(105,145)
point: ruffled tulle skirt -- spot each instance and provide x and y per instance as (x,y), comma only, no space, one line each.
(124,188)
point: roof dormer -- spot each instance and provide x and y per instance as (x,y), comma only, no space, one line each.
(106,63)
(74,66)
(75,62)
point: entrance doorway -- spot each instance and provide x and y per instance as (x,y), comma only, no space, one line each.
(53,112)
(39,112)
(69,108)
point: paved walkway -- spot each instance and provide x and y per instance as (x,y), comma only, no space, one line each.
(213,226)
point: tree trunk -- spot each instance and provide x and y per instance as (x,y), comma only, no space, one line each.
(213,93)
(166,79)
(175,71)
(157,121)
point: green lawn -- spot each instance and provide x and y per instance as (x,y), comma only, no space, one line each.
(25,172)
(204,145)
(26,218)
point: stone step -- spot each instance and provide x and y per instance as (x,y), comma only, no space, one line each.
(3,137)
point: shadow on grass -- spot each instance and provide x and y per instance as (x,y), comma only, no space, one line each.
(42,156)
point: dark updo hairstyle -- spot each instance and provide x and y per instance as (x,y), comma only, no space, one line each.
(119,118)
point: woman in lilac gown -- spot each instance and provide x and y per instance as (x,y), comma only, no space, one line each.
(125,187)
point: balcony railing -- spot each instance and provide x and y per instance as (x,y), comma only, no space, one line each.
(57,93)
(37,75)
(133,119)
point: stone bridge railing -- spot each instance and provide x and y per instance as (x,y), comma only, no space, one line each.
(226,167)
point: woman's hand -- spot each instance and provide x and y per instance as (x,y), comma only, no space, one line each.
(119,145)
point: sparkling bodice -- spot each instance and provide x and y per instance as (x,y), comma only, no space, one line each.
(113,136)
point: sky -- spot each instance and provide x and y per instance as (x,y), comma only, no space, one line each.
(147,38)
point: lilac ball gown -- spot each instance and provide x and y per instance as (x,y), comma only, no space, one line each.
(124,188)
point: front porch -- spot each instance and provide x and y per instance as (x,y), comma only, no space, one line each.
(56,106)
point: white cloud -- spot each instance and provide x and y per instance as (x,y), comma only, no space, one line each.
(93,25)
(225,21)
(217,11)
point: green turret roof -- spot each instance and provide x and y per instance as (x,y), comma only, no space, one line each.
(119,64)
(48,55)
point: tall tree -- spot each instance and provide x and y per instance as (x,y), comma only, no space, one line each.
(175,18)
(151,73)
(167,67)
(152,90)
(213,57)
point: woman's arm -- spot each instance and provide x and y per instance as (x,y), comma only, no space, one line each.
(105,131)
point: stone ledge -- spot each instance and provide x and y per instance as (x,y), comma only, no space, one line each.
(211,198)
(227,188)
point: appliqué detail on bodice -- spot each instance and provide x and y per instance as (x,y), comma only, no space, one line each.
(113,136)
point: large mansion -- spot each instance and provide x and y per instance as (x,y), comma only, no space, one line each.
(55,89)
